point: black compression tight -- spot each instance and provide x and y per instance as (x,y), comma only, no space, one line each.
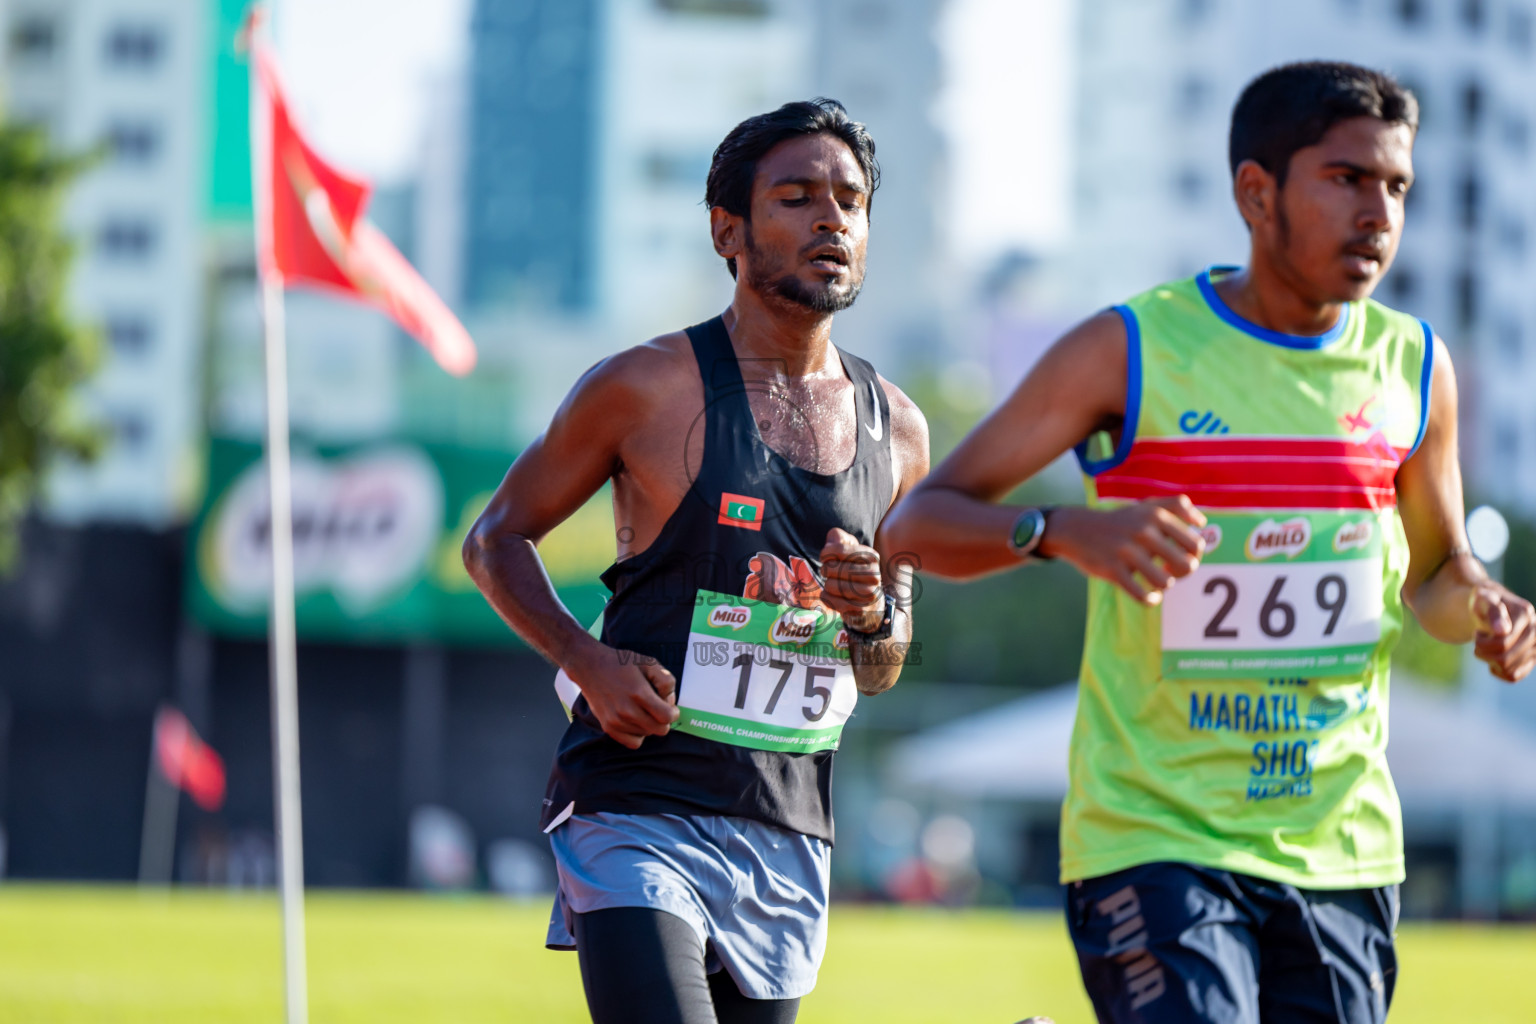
(644,966)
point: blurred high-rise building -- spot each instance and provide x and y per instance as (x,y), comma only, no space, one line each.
(531,173)
(126,76)
(589,126)
(1157,81)
(680,75)
(588,135)
(882,60)
(441,212)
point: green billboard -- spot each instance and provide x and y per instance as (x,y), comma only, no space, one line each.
(377,535)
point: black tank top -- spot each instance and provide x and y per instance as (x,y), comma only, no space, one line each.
(654,594)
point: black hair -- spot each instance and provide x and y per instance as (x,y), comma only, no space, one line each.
(1292,107)
(734,167)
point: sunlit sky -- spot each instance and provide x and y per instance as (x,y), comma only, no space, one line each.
(357,70)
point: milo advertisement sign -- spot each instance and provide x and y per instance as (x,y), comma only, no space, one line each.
(377,531)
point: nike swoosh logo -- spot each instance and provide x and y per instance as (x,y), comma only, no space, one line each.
(877,431)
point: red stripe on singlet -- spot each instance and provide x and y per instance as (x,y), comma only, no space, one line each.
(1265,472)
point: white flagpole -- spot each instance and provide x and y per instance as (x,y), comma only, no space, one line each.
(281,632)
(284,663)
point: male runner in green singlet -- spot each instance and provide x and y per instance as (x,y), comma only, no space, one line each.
(1272,477)
(689,808)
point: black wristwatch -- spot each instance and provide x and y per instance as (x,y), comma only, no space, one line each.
(1029,531)
(883,630)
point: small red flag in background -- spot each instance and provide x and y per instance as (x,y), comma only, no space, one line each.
(310,228)
(186,761)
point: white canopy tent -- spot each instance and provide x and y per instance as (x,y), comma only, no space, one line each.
(1016,751)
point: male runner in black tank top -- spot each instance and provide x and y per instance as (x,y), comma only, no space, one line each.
(752,465)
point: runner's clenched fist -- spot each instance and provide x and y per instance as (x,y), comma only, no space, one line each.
(851,580)
(1506,631)
(1143,547)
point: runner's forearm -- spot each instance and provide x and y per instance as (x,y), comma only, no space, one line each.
(877,665)
(1443,603)
(507,569)
(953,535)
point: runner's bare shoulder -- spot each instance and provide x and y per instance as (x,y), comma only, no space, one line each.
(909,430)
(1095,345)
(631,385)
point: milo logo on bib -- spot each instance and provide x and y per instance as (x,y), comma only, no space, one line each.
(795,626)
(1302,597)
(1270,538)
(1353,535)
(732,616)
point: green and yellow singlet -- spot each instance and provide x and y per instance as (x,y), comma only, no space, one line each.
(1243,723)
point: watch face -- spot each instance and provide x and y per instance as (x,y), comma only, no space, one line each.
(1027,529)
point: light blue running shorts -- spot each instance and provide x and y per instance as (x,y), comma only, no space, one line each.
(756,895)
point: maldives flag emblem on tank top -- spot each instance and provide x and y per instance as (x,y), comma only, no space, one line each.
(741,510)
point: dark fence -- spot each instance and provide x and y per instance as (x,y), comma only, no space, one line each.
(93,639)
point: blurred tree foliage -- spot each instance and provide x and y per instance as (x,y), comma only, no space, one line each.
(1019,628)
(1519,568)
(44,355)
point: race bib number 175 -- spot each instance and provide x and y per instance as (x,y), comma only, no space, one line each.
(768,676)
(1288,595)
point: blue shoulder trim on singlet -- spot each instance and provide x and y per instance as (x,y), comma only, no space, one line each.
(1425,376)
(1230,316)
(1132,401)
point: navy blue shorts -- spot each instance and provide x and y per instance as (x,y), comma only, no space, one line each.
(1165,943)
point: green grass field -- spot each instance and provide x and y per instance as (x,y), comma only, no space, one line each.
(107,954)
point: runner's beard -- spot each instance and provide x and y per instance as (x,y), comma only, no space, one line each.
(768,278)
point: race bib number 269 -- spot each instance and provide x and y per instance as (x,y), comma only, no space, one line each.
(1288,595)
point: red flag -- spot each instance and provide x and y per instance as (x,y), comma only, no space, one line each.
(310,228)
(186,761)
